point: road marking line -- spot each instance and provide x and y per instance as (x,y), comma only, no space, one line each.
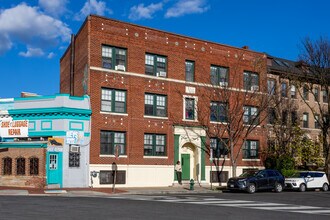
(313,211)
(288,208)
(219,202)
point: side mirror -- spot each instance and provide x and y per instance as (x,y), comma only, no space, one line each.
(308,176)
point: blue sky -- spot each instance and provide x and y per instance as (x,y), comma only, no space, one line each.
(34,34)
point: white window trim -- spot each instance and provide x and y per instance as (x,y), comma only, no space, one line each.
(113,113)
(155,157)
(155,117)
(184,108)
(250,159)
(113,156)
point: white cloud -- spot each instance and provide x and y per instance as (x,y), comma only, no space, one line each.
(144,12)
(54,7)
(27,25)
(32,52)
(183,7)
(51,55)
(92,7)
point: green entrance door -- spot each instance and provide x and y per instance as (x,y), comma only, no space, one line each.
(185,163)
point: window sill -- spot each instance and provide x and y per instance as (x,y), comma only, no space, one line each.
(251,160)
(113,113)
(155,117)
(155,157)
(113,156)
(218,122)
(189,120)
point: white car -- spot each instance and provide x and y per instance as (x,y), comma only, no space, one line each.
(308,180)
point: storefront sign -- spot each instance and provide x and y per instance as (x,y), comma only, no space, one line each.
(11,129)
(75,137)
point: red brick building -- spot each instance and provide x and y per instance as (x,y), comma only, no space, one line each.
(149,92)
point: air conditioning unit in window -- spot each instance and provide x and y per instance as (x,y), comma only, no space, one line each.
(161,74)
(255,88)
(74,149)
(120,67)
(223,83)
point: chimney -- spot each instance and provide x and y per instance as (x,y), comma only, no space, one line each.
(245,47)
(28,94)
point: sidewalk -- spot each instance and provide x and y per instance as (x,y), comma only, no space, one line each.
(105,192)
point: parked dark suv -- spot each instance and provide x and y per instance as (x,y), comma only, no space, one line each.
(252,181)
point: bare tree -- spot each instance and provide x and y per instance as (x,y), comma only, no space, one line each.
(232,110)
(315,64)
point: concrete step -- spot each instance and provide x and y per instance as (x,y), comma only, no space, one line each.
(53,186)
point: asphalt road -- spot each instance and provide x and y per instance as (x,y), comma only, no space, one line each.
(262,205)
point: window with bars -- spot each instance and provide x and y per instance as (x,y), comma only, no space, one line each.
(251,115)
(251,81)
(74,159)
(34,166)
(113,58)
(155,65)
(219,75)
(113,143)
(190,109)
(20,166)
(155,105)
(7,166)
(190,71)
(219,147)
(154,145)
(113,100)
(219,111)
(250,149)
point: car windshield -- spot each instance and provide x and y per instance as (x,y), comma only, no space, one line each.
(248,174)
(299,175)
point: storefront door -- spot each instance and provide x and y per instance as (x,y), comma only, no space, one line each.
(54,168)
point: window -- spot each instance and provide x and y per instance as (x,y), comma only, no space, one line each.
(284,117)
(219,147)
(293,91)
(219,75)
(251,81)
(305,120)
(155,105)
(271,116)
(189,108)
(113,58)
(74,157)
(20,166)
(284,89)
(154,145)
(271,84)
(305,92)
(155,65)
(316,94)
(190,71)
(113,143)
(34,166)
(250,115)
(107,177)
(317,121)
(250,149)
(325,96)
(113,100)
(294,117)
(7,166)
(219,112)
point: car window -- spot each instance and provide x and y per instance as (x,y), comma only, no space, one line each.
(318,175)
(262,174)
(302,174)
(271,173)
(311,174)
(248,174)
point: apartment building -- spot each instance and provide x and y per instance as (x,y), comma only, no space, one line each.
(149,91)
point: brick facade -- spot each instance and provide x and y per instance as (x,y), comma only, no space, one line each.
(137,40)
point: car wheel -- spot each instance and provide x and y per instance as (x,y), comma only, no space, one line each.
(325,187)
(251,188)
(302,187)
(278,187)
